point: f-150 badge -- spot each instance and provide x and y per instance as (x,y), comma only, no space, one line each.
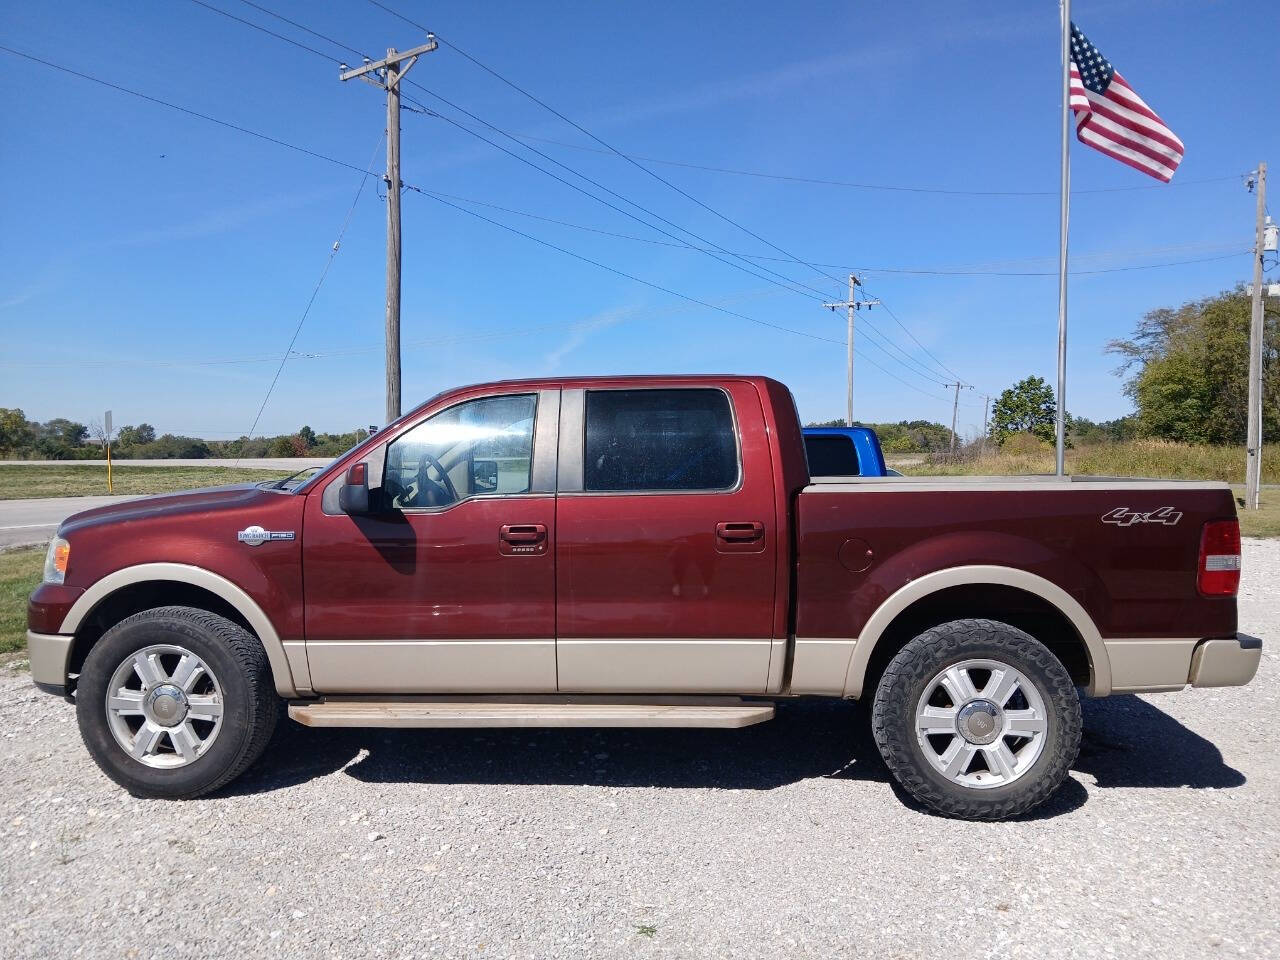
(255,536)
(1124,517)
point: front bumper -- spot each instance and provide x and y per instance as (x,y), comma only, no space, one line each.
(1225,662)
(50,655)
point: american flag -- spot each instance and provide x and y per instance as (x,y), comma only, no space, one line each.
(1111,118)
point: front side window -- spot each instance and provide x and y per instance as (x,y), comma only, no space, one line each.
(656,440)
(481,447)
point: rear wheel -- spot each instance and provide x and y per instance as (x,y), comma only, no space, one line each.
(175,702)
(977,719)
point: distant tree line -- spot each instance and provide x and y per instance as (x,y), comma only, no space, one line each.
(905,436)
(61,439)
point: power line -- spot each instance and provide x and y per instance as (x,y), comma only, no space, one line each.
(333,252)
(639,166)
(302,27)
(655,286)
(366,173)
(895,188)
(789,283)
(750,173)
(815,292)
(930,271)
(272,33)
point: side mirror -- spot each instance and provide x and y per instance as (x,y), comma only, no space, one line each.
(354,496)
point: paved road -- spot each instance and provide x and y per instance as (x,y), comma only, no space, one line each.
(257,463)
(34,521)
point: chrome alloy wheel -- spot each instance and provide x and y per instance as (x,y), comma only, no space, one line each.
(164,706)
(981,723)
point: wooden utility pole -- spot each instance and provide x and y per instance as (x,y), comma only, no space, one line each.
(955,410)
(851,305)
(1253,463)
(387,74)
(986,406)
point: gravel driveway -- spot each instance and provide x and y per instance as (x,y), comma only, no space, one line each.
(782,840)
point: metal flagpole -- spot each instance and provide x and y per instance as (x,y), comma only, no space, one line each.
(1063,217)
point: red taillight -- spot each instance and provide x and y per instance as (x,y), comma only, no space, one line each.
(1219,568)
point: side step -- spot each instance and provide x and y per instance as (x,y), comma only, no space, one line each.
(529,711)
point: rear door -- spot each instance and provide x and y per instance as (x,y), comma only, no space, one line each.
(665,543)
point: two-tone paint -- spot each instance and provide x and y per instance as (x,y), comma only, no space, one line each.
(633,593)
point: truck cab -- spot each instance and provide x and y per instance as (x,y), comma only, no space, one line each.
(844,452)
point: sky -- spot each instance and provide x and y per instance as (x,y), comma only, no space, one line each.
(158,264)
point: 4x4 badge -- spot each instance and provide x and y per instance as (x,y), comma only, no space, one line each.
(1125,517)
(255,536)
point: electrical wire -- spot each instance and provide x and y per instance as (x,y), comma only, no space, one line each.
(656,286)
(751,173)
(333,253)
(787,281)
(189,112)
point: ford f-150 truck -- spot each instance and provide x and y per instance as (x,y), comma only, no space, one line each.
(633,551)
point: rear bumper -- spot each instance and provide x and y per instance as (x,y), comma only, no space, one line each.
(1225,662)
(49,654)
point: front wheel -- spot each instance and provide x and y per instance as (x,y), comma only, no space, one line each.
(978,720)
(174,702)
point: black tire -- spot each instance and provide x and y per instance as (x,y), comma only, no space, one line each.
(909,675)
(250,704)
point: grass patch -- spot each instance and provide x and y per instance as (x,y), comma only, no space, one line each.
(20,572)
(1263,522)
(1160,459)
(18,481)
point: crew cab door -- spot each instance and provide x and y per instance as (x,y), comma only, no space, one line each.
(448,585)
(665,542)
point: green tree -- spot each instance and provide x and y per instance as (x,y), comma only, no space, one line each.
(1026,407)
(308,436)
(65,432)
(1188,370)
(17,433)
(136,436)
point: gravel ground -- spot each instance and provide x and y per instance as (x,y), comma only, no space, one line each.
(779,840)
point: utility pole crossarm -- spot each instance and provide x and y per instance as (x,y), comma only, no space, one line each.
(395,58)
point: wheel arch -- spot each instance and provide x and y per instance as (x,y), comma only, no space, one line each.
(881,635)
(132,588)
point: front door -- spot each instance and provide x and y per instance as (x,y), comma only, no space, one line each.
(666,547)
(449,587)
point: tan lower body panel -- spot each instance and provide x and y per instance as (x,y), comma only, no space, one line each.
(819,666)
(439,666)
(1149,665)
(725,712)
(1225,662)
(668,665)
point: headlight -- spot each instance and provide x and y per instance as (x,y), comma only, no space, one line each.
(55,561)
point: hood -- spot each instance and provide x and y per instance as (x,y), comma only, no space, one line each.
(170,505)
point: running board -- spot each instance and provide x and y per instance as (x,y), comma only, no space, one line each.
(723,712)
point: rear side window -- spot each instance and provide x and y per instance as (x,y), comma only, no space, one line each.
(654,440)
(831,456)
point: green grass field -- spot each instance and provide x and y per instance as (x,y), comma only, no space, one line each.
(19,481)
(19,574)
(1136,458)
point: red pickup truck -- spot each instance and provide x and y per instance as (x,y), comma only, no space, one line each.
(634,551)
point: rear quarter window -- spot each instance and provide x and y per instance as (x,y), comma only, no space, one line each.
(832,456)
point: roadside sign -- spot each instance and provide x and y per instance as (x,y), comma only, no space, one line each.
(106,422)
